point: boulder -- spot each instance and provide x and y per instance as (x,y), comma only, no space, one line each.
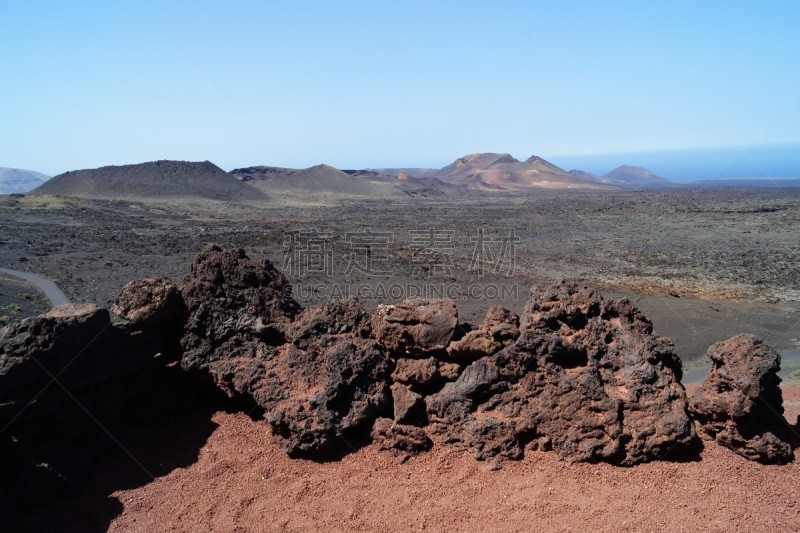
(740,404)
(586,378)
(154,302)
(416,326)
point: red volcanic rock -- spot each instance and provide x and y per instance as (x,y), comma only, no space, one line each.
(401,440)
(150,302)
(331,381)
(449,371)
(499,329)
(319,378)
(586,378)
(419,374)
(740,402)
(232,303)
(409,407)
(415,326)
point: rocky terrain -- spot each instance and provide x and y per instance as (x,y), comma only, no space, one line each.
(19,300)
(574,374)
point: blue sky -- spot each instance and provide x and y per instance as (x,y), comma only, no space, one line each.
(386,83)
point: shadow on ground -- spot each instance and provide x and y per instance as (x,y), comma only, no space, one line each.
(66,482)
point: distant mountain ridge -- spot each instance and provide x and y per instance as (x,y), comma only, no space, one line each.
(17,180)
(154,179)
(489,172)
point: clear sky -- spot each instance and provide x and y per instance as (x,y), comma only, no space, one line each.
(386,83)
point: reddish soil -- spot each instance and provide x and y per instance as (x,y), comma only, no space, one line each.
(242,481)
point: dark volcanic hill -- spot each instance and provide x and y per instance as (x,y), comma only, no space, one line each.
(502,172)
(157,179)
(634,177)
(16,180)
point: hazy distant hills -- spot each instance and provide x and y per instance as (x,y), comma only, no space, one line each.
(481,173)
(634,177)
(486,172)
(412,172)
(157,179)
(16,180)
(323,183)
(503,173)
(627,177)
(585,175)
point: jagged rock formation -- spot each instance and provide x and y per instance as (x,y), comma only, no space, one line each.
(576,374)
(586,378)
(232,302)
(740,402)
(328,383)
(318,378)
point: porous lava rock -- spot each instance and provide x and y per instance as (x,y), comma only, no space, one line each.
(235,305)
(415,326)
(151,302)
(586,378)
(317,374)
(499,329)
(418,374)
(402,441)
(740,403)
(327,385)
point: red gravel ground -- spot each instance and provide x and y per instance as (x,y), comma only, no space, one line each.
(243,482)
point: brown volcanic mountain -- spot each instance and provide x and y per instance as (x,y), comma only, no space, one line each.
(157,179)
(502,172)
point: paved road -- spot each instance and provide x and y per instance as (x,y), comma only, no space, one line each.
(49,288)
